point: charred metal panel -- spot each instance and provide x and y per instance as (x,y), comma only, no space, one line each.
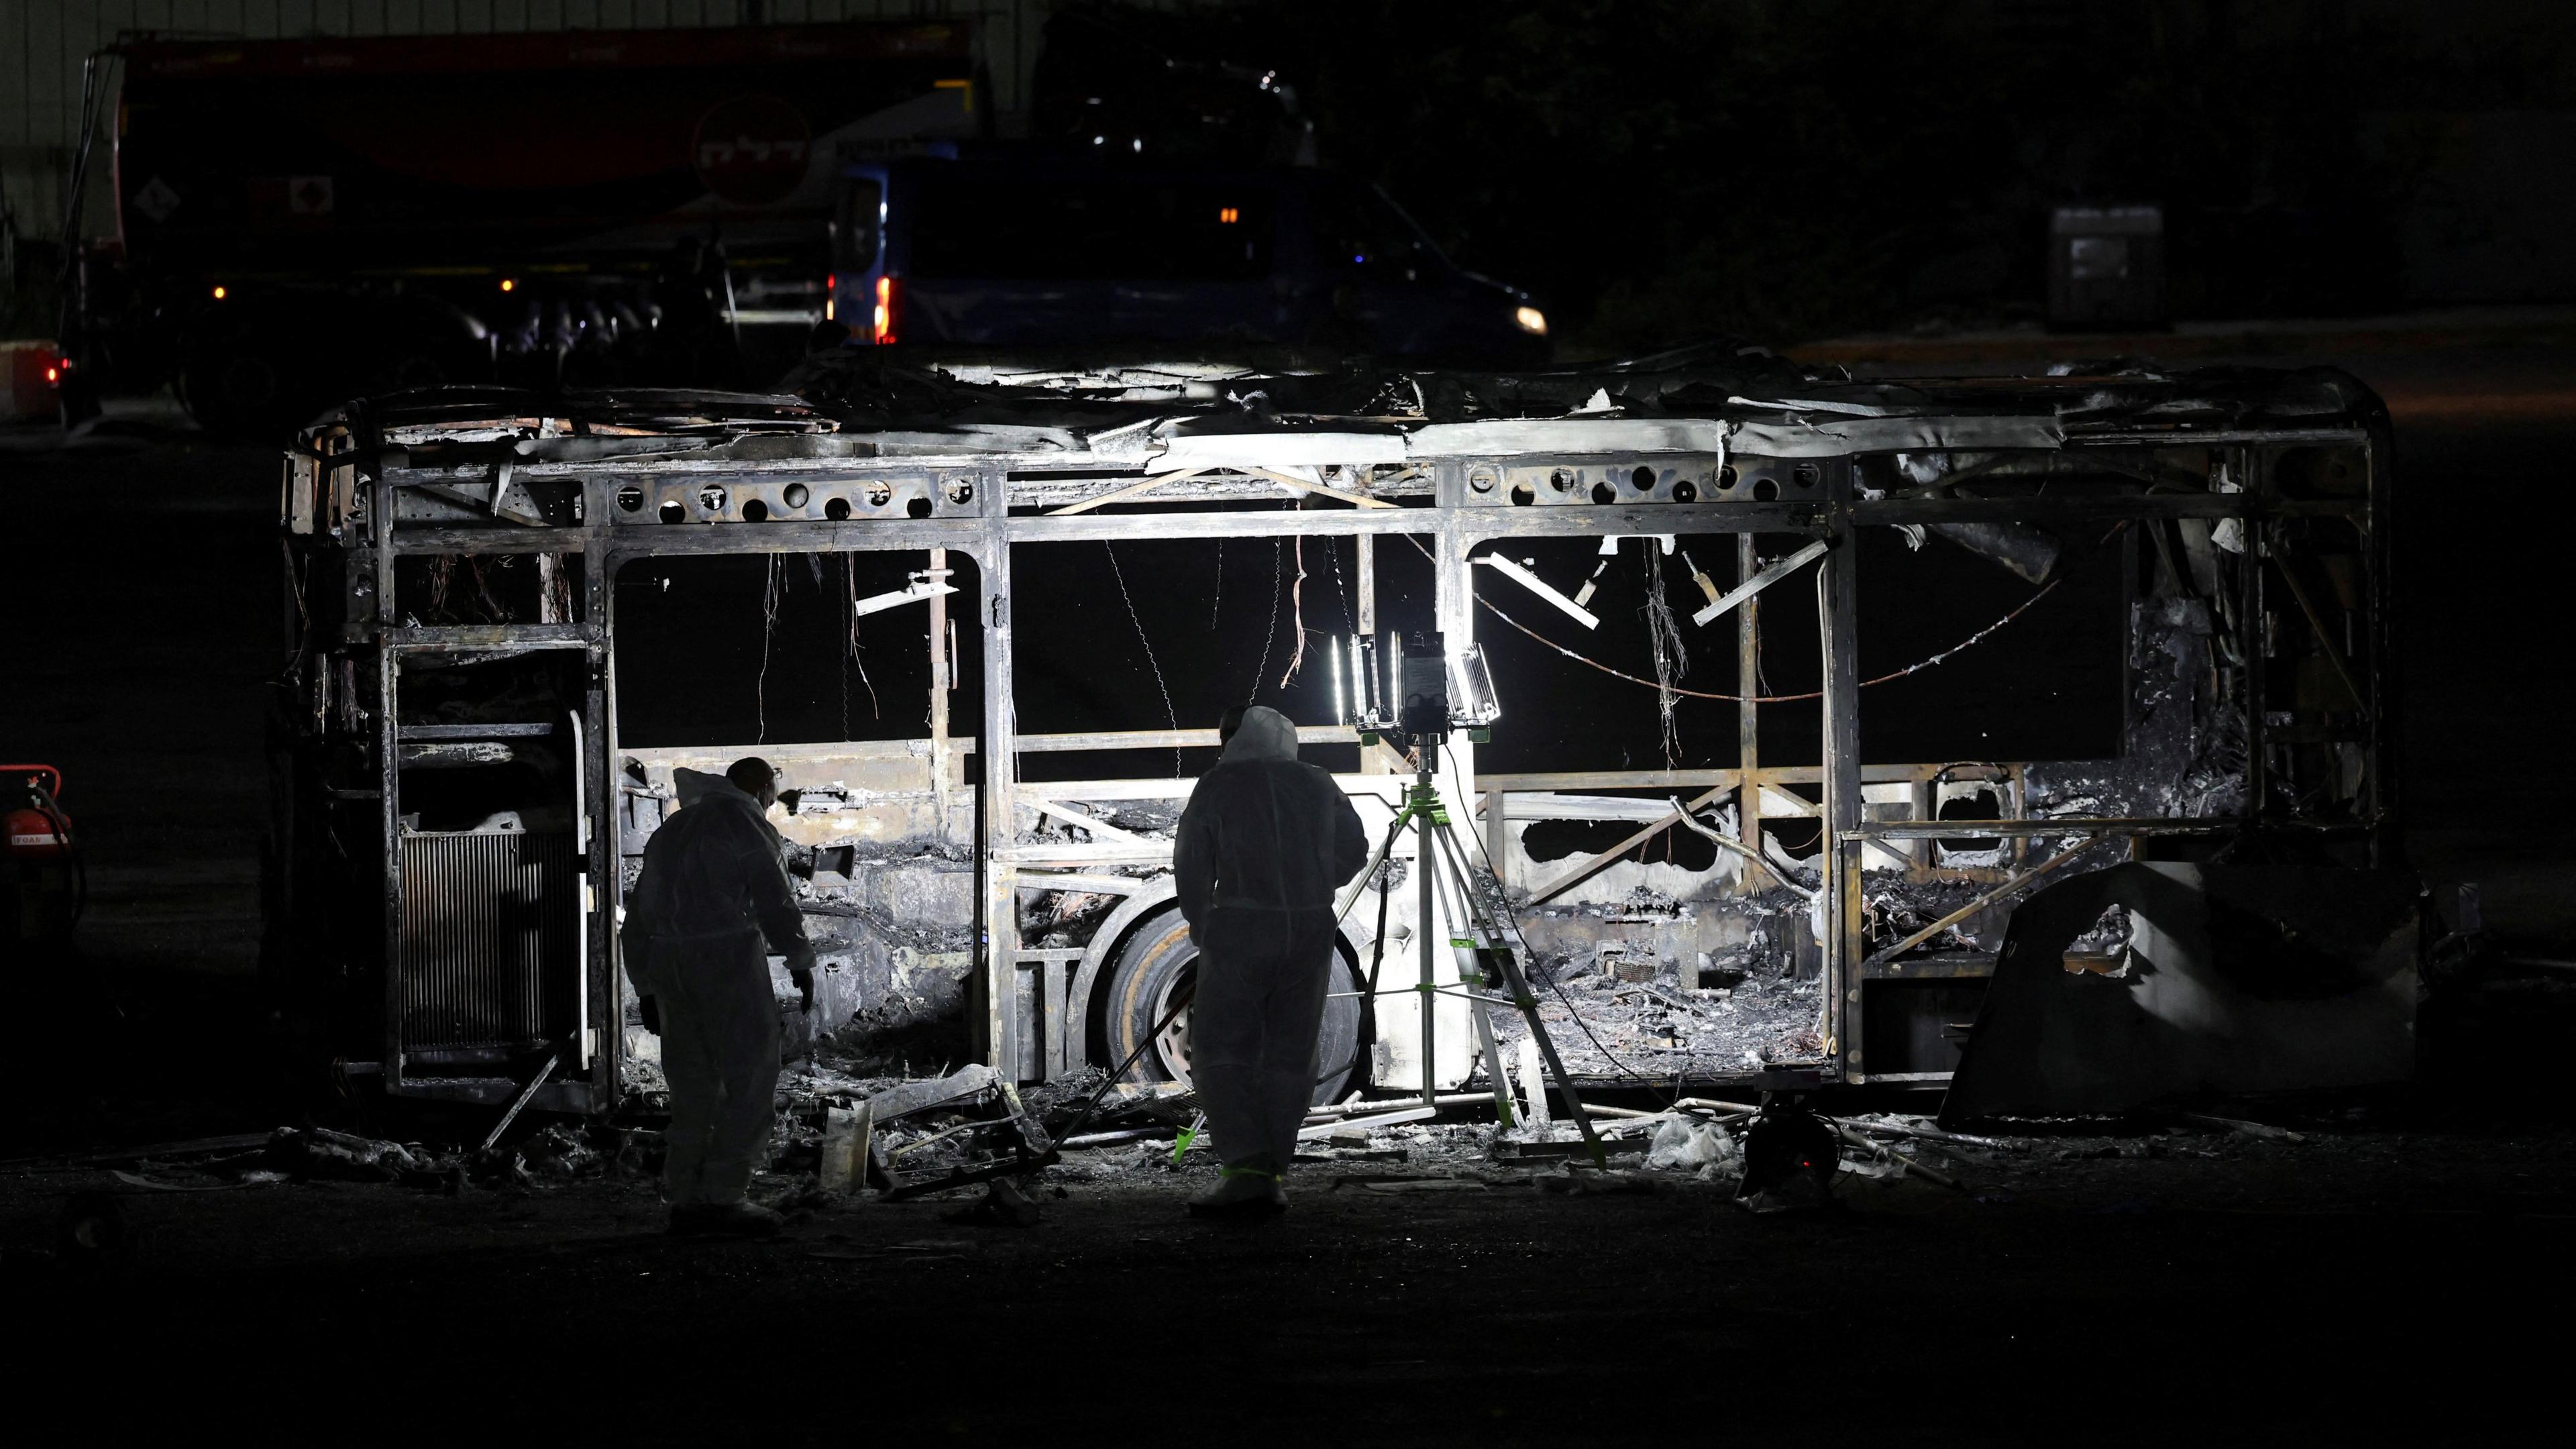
(484,916)
(2238,979)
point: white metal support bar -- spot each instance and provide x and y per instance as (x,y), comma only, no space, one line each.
(581,898)
(1763,580)
(1300,485)
(1838,627)
(998,1030)
(1542,588)
(1121,495)
(1101,830)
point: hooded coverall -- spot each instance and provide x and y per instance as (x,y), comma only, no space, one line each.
(712,887)
(1263,846)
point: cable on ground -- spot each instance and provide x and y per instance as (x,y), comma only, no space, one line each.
(1529,954)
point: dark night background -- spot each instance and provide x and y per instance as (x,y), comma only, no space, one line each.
(2387,186)
(1659,169)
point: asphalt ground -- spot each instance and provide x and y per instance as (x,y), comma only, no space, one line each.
(2397,1276)
(2370,1285)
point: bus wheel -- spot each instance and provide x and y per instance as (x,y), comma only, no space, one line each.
(1158,960)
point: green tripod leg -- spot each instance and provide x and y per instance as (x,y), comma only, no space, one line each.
(1517,983)
(1471,974)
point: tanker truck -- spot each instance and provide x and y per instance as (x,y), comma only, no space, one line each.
(300,221)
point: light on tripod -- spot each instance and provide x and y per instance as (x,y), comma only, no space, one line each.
(1472,700)
(1391,658)
(1340,700)
(1432,690)
(1411,688)
(1356,706)
(1422,706)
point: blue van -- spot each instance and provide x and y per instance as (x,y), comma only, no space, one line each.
(1047,252)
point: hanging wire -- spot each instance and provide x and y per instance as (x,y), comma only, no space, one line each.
(850,580)
(1529,954)
(1672,658)
(1511,919)
(768,627)
(1261,670)
(1333,551)
(1917,667)
(1914,668)
(1297,614)
(1151,662)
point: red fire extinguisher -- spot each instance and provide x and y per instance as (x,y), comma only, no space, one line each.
(45,883)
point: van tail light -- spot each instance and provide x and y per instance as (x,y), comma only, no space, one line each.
(881,321)
(831,302)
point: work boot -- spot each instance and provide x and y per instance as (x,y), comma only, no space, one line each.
(1241,1192)
(724,1220)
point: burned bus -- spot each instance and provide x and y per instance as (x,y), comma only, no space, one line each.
(1811,693)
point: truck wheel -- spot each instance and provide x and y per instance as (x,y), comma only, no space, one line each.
(234,389)
(1158,958)
(77,399)
(252,383)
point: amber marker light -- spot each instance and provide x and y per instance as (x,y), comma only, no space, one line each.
(219,292)
(881,322)
(509,284)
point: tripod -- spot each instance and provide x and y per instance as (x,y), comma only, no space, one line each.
(1484,954)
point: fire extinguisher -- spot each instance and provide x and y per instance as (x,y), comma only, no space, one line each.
(47,885)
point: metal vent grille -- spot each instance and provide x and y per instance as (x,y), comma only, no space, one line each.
(488,939)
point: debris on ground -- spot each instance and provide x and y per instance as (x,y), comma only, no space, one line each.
(90,1234)
(1613,1180)
(905,1098)
(839,1135)
(198,1147)
(561,1152)
(1695,1147)
(1413,1184)
(838,1249)
(1790,1156)
(321,1152)
(1001,1206)
(155,1184)
(2242,1128)
(1613,1015)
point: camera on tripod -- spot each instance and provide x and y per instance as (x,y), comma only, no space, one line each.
(1411,689)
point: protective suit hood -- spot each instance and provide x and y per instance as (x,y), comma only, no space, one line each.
(695,785)
(1265,734)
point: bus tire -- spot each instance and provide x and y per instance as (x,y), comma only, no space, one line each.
(1158,959)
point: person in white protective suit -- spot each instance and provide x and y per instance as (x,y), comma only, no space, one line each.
(1263,846)
(713,886)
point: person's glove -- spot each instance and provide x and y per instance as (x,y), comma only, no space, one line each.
(651,1010)
(801,971)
